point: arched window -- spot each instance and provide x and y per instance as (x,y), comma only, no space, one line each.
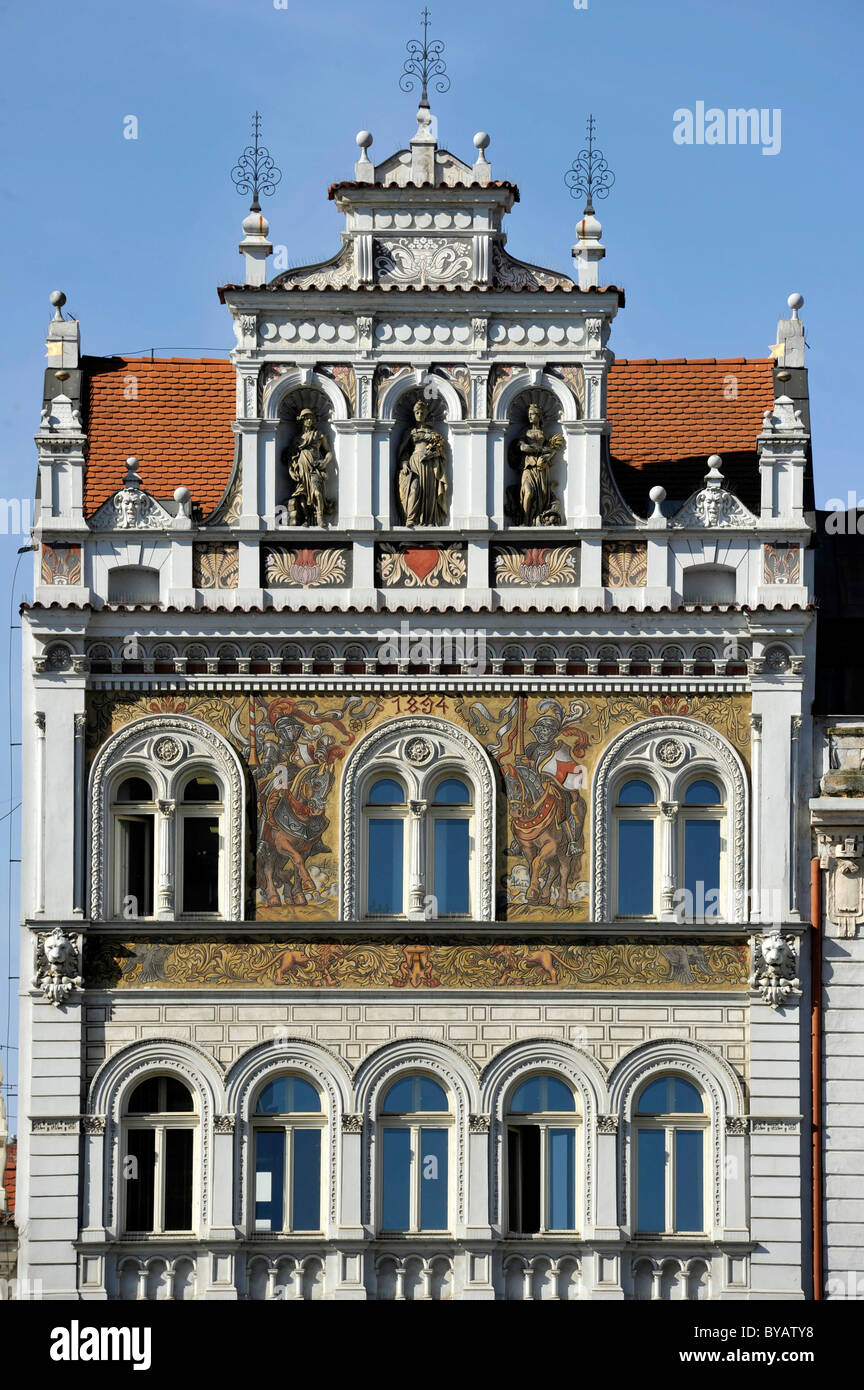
(670,1133)
(167,829)
(134,810)
(541,1157)
(702,818)
(418,816)
(288,1124)
(450,847)
(414,1125)
(426,841)
(200,838)
(385,829)
(673,794)
(157,1178)
(636,814)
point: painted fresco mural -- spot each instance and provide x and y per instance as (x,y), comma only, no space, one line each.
(412,963)
(545,749)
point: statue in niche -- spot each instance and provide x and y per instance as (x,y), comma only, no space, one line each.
(533,502)
(421,483)
(308,460)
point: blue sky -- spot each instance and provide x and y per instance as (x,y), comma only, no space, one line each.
(707,240)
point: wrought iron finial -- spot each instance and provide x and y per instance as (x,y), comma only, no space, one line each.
(423,63)
(589,174)
(255,172)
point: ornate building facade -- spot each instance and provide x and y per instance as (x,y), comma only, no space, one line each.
(416,720)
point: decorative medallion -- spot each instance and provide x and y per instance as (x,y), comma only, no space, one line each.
(167,750)
(419,751)
(670,752)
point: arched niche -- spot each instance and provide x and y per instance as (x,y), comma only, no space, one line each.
(422,480)
(307,483)
(535,496)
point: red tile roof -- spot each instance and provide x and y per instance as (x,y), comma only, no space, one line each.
(680,408)
(9,1180)
(177,424)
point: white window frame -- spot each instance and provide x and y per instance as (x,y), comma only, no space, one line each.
(668,1124)
(392,750)
(160,1122)
(289,1122)
(670,754)
(544,1120)
(415,1121)
(645,812)
(198,810)
(167,750)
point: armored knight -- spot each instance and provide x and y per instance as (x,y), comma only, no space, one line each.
(421,483)
(532,454)
(307,468)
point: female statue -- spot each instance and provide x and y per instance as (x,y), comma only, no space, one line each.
(533,453)
(421,483)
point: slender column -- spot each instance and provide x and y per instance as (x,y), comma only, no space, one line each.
(669,852)
(165,823)
(528,1283)
(39,819)
(417,851)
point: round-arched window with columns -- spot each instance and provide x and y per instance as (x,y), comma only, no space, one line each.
(418,818)
(167,829)
(669,809)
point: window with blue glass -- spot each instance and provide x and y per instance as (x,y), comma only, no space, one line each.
(636,831)
(385,828)
(702,818)
(450,820)
(288,1127)
(541,1128)
(415,1124)
(433,833)
(670,1135)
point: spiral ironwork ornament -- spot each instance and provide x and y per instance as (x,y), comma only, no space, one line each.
(255,171)
(589,175)
(424,64)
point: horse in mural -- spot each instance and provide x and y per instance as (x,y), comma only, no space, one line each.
(294,823)
(544,830)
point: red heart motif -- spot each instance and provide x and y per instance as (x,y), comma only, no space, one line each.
(421,560)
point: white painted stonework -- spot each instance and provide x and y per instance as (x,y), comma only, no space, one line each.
(424,297)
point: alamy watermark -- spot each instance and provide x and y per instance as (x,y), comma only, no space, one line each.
(735,126)
(428,647)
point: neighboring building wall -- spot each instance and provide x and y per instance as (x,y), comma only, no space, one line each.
(837,814)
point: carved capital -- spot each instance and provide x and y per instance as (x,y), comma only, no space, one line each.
(607,1124)
(93,1124)
(224,1124)
(736,1125)
(352,1124)
(478,1124)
